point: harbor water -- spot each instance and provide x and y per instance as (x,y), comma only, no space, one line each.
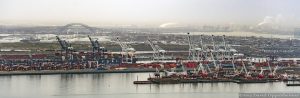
(120,85)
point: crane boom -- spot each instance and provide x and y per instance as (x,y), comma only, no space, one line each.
(92,42)
(124,46)
(128,50)
(152,45)
(158,51)
(62,43)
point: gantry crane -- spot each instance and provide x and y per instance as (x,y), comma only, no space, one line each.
(194,51)
(127,51)
(272,74)
(96,47)
(204,48)
(159,53)
(247,73)
(225,51)
(67,48)
(201,68)
(216,48)
(228,50)
(214,54)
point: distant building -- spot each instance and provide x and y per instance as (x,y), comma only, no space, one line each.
(297,33)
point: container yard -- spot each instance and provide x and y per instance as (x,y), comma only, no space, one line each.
(205,60)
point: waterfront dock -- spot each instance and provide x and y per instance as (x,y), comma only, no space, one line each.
(176,81)
(298,84)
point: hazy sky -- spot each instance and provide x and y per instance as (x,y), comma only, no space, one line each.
(148,12)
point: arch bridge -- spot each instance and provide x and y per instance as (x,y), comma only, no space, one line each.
(69,26)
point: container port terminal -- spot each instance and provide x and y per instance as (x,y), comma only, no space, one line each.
(184,58)
(149,48)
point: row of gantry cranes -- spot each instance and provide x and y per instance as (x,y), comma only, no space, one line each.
(219,55)
(210,57)
(197,50)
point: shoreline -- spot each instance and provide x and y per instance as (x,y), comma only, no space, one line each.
(292,70)
(84,71)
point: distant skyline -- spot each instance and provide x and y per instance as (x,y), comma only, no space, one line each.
(150,12)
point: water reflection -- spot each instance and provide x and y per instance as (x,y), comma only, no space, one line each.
(120,85)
